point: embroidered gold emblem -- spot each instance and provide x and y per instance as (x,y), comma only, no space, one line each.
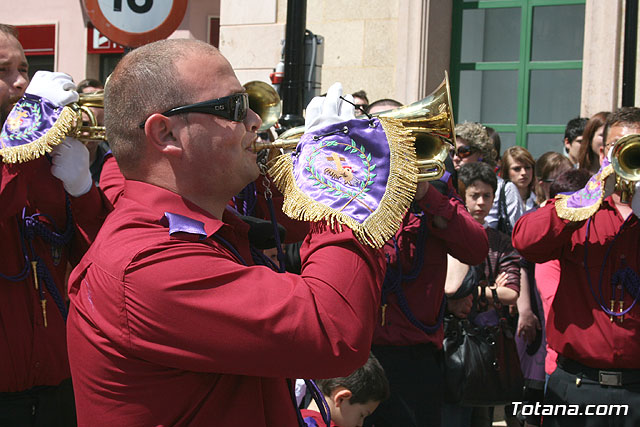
(344,172)
(14,122)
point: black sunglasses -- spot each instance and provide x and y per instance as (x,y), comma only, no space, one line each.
(233,107)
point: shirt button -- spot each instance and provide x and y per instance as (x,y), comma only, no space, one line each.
(36,365)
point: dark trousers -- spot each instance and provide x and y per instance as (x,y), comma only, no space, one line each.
(416,380)
(43,406)
(578,385)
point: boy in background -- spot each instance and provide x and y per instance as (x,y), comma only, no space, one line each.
(351,399)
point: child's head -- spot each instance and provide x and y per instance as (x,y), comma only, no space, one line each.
(478,184)
(353,398)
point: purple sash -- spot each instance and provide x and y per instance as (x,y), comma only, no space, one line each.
(585,202)
(33,129)
(359,173)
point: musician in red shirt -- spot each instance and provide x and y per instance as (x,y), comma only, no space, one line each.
(409,333)
(171,320)
(49,213)
(594,321)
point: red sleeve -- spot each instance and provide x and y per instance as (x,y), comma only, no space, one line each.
(328,311)
(111,179)
(465,238)
(540,235)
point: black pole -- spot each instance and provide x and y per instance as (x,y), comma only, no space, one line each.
(629,60)
(292,88)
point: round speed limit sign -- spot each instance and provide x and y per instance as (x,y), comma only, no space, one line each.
(133,23)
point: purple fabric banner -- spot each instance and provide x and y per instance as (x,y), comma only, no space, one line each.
(345,167)
(29,120)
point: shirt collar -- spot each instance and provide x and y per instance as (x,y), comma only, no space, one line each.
(161,200)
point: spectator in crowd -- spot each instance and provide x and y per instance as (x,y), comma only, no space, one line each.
(361,101)
(380,105)
(593,321)
(352,398)
(90,86)
(500,268)
(517,167)
(216,337)
(573,139)
(409,332)
(474,145)
(49,214)
(589,154)
(548,167)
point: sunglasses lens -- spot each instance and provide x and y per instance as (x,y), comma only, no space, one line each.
(463,151)
(240,106)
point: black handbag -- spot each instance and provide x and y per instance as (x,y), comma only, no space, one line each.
(482,366)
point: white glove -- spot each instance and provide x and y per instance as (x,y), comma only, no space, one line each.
(55,87)
(635,200)
(71,166)
(326,110)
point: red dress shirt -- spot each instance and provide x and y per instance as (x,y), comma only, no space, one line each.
(578,328)
(173,329)
(463,238)
(30,354)
(111,179)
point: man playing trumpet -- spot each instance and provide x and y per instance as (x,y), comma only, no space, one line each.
(594,321)
(49,214)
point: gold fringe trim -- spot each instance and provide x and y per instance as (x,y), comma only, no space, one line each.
(54,136)
(580,214)
(383,223)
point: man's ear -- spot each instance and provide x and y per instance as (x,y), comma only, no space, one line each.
(567,144)
(162,135)
(341,396)
(601,152)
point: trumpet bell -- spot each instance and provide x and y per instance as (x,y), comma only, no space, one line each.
(625,157)
(265,102)
(430,121)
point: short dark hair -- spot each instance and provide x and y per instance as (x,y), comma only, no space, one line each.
(9,30)
(366,384)
(477,171)
(361,94)
(385,102)
(89,83)
(624,115)
(575,128)
(569,181)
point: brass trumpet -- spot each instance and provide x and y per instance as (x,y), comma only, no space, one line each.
(429,120)
(91,130)
(625,159)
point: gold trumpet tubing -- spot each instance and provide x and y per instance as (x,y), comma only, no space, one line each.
(434,169)
(289,144)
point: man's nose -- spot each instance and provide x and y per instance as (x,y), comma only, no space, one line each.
(252,121)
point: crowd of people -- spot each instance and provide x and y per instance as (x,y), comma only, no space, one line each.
(174,315)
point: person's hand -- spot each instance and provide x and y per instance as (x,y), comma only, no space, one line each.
(501,280)
(55,87)
(70,164)
(635,200)
(528,325)
(326,110)
(460,307)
